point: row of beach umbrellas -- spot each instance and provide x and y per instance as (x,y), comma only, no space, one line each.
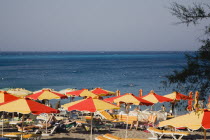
(21,92)
(92,103)
(26,105)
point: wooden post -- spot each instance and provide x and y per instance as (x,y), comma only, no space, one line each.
(140,93)
(204,132)
(91,127)
(22,126)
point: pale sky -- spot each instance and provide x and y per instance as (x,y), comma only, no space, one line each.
(94,25)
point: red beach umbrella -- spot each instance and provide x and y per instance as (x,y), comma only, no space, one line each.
(5,97)
(82,93)
(128,98)
(155,98)
(176,96)
(26,106)
(89,104)
(194,120)
(102,92)
(47,94)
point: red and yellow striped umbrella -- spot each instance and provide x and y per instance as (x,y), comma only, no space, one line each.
(89,104)
(193,120)
(5,97)
(155,98)
(82,93)
(103,92)
(47,94)
(128,98)
(176,96)
(26,106)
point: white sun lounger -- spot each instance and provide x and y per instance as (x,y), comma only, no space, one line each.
(157,133)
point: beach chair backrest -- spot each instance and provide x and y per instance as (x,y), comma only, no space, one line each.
(88,117)
(106,115)
(53,129)
(152,118)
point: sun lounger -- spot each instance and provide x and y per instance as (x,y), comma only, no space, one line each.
(112,137)
(105,115)
(157,133)
(13,135)
(127,119)
(101,138)
(31,136)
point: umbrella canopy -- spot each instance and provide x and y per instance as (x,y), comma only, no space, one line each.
(82,93)
(5,97)
(155,98)
(19,92)
(128,98)
(89,104)
(193,120)
(47,94)
(103,92)
(26,106)
(176,96)
(64,91)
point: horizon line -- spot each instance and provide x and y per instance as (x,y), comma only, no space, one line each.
(101,51)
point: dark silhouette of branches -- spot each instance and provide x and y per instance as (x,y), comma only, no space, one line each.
(195,76)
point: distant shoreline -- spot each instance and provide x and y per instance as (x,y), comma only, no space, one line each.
(93,52)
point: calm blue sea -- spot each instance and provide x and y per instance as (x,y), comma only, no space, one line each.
(126,71)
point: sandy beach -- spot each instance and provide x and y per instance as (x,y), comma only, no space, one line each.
(120,133)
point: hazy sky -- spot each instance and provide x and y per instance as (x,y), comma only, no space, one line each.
(94,25)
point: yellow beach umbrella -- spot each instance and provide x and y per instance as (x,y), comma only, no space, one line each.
(82,93)
(5,97)
(128,98)
(193,120)
(47,94)
(102,92)
(155,98)
(26,106)
(176,96)
(19,92)
(91,105)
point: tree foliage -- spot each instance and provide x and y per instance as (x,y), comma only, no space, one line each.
(195,76)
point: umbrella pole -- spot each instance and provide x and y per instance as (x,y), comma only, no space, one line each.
(126,132)
(46,122)
(91,127)
(2,124)
(204,131)
(22,126)
(151,107)
(127,111)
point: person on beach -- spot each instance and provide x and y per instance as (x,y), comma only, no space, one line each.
(163,108)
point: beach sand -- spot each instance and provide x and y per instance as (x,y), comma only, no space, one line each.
(196,135)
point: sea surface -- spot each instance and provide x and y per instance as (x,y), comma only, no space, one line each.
(124,71)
